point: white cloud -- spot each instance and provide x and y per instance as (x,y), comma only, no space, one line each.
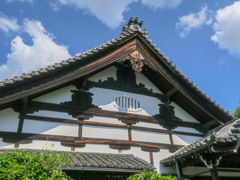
(7,24)
(194,20)
(24,58)
(227,28)
(109,12)
(155,4)
(30,1)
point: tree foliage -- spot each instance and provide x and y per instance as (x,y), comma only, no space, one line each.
(20,164)
(237,111)
(149,175)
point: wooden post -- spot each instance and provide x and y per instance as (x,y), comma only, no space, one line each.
(214,173)
(151,157)
(130,134)
(80,130)
(179,170)
(171,138)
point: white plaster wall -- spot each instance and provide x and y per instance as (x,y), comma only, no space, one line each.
(97,148)
(165,170)
(179,112)
(9,120)
(112,72)
(140,78)
(157,156)
(179,141)
(58,96)
(149,125)
(185,129)
(144,136)
(5,145)
(105,99)
(45,145)
(104,132)
(103,75)
(39,127)
(54,114)
(105,120)
(184,140)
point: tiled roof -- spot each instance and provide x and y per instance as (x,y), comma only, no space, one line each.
(221,139)
(134,26)
(89,160)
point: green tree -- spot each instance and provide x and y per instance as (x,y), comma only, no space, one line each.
(237,111)
(149,175)
(20,164)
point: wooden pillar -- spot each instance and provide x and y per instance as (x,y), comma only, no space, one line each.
(151,157)
(214,173)
(119,150)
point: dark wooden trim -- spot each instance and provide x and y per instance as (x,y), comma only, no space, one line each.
(214,173)
(170,93)
(150,149)
(120,146)
(78,142)
(70,121)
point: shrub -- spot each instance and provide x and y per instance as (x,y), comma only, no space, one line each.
(149,175)
(20,164)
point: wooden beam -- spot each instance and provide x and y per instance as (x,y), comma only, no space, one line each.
(75,141)
(209,125)
(104,113)
(70,121)
(170,93)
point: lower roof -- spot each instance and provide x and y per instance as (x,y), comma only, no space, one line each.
(222,139)
(101,161)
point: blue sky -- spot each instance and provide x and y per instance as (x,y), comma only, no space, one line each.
(200,36)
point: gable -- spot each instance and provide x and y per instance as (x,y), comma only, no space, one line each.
(122,96)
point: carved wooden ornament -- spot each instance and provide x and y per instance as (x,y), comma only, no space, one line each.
(137,61)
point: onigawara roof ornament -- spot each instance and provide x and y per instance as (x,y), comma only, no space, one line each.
(134,25)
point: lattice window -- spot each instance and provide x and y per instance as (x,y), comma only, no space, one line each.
(127,103)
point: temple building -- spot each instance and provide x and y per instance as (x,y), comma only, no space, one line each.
(118,109)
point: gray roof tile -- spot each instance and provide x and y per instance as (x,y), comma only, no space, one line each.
(224,134)
(102,160)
